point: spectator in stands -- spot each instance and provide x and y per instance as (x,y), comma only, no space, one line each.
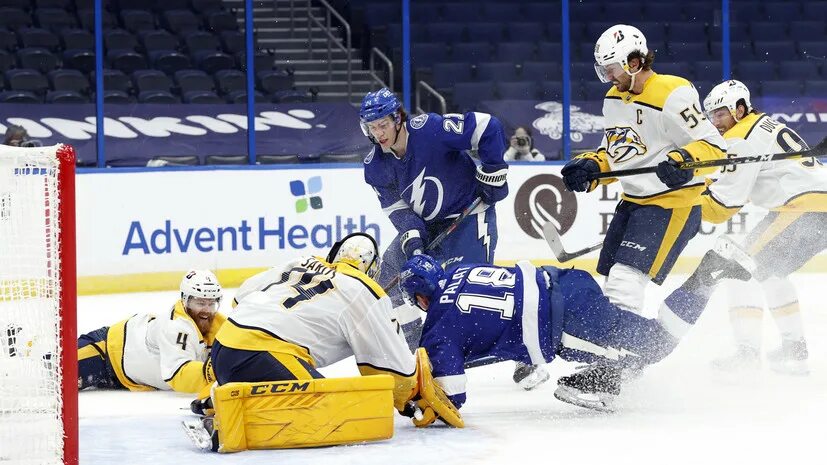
(17,136)
(521,147)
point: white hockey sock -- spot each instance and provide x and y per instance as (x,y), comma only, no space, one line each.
(746,326)
(788,321)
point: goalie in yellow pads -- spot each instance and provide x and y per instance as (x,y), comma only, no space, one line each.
(295,318)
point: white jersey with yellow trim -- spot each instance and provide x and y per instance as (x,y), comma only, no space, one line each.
(799,184)
(642,128)
(165,351)
(330,311)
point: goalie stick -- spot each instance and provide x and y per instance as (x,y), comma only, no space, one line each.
(438,239)
(552,236)
(819,150)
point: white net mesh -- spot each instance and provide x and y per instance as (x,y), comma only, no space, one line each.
(31,428)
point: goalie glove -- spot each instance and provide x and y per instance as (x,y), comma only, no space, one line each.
(432,402)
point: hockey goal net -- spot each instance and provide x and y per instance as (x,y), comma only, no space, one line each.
(38,346)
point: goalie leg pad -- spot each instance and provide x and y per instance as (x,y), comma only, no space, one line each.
(303,413)
(433,401)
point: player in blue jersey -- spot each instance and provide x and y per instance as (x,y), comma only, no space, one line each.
(534,314)
(424,178)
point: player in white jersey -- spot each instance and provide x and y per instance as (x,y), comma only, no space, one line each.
(306,314)
(651,120)
(166,351)
(795,193)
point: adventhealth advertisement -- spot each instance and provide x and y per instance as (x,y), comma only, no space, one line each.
(243,220)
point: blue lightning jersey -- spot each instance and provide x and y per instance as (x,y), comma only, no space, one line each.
(436,179)
(510,313)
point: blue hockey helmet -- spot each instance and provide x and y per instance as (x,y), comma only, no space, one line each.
(377,105)
(420,275)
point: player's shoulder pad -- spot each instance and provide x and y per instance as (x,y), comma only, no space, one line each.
(661,88)
(363,279)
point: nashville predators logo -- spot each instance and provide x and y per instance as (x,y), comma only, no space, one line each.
(623,144)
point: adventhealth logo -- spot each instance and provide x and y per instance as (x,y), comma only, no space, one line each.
(306,195)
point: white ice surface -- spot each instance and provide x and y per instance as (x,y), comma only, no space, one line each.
(679,412)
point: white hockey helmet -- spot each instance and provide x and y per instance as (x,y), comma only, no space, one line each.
(614,47)
(201,284)
(727,94)
(358,249)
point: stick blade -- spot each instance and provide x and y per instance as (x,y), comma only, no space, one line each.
(552,237)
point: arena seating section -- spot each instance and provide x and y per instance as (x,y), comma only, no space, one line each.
(156,51)
(472,51)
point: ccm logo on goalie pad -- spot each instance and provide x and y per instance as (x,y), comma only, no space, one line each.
(273,388)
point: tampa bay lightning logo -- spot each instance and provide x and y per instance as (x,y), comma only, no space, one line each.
(425,195)
(623,144)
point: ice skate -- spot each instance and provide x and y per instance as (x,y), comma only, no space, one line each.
(790,358)
(529,377)
(202,433)
(595,387)
(745,358)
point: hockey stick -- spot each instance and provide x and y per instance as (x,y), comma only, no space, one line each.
(819,150)
(552,236)
(438,239)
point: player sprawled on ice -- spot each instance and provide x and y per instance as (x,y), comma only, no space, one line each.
(424,178)
(534,314)
(292,320)
(651,120)
(795,193)
(157,351)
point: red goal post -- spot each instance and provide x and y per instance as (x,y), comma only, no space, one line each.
(38,306)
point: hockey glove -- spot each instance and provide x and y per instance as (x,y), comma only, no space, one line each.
(491,185)
(576,174)
(670,174)
(412,243)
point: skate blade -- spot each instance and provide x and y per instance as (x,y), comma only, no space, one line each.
(593,401)
(536,378)
(728,249)
(790,368)
(199,436)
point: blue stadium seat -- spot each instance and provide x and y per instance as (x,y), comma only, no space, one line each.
(8,40)
(739,51)
(654,32)
(230,80)
(282,96)
(807,30)
(782,88)
(768,31)
(816,11)
(623,12)
(82,60)
(115,96)
(541,11)
(422,13)
(425,55)
(522,31)
(446,74)
(447,33)
(683,70)
(157,96)
(14,18)
(763,70)
(467,95)
(22,5)
(37,58)
(515,52)
(704,86)
(211,62)
(471,52)
(197,41)
(87,19)
(274,80)
(207,5)
(485,32)
(662,12)
(26,79)
(551,90)
(158,40)
(746,11)
(151,79)
(815,88)
(192,80)
(6,61)
(169,61)
(542,71)
(202,96)
(77,39)
(549,51)
(585,12)
(418,35)
(502,71)
(595,28)
(218,21)
(37,37)
(292,96)
(456,11)
(382,13)
(777,51)
(119,39)
(232,41)
(136,21)
(584,51)
(583,71)
(55,19)
(17,96)
(126,60)
(687,32)
(69,79)
(691,51)
(798,70)
(65,4)
(815,49)
(65,96)
(595,90)
(701,12)
(708,70)
(179,21)
(517,90)
(783,11)
(115,80)
(505,12)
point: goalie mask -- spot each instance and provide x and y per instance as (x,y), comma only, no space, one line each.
(727,94)
(420,275)
(612,50)
(200,284)
(359,250)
